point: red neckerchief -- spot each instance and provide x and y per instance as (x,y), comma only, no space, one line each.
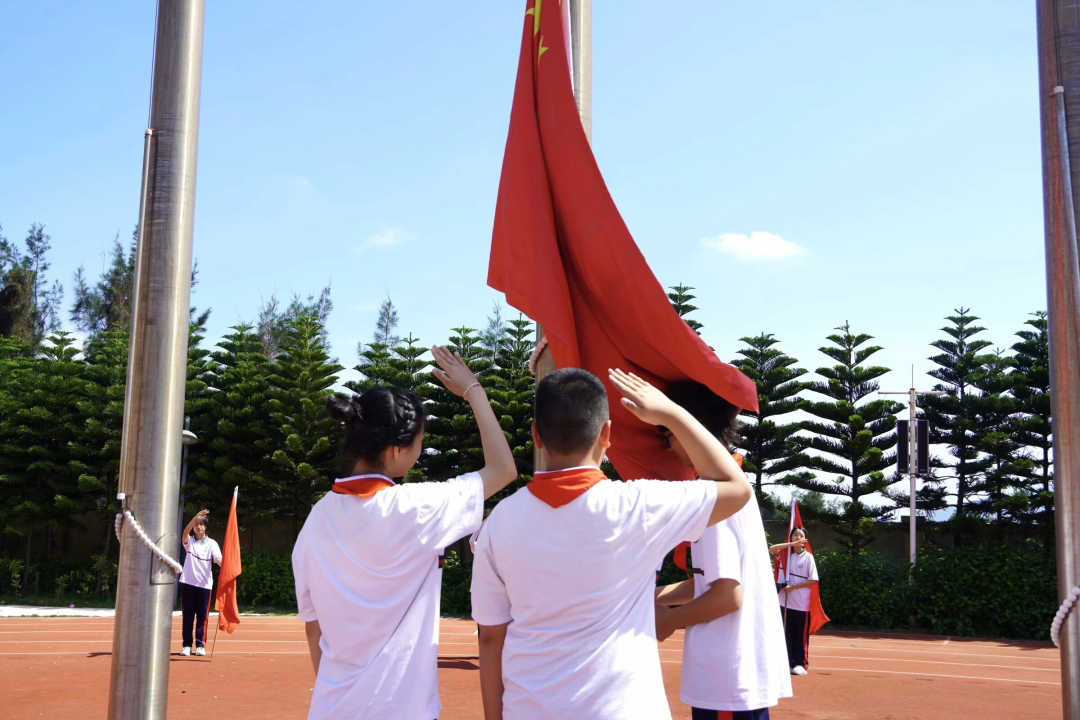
(362,485)
(561,487)
(681,548)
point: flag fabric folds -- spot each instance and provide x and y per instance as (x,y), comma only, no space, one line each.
(563,256)
(225,604)
(818,618)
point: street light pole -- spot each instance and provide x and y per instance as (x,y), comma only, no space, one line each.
(913,473)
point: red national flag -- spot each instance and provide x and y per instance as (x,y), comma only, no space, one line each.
(225,604)
(818,618)
(563,256)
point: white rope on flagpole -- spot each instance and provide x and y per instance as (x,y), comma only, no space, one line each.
(158,552)
(1062,613)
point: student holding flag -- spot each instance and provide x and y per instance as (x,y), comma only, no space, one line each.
(800,600)
(197,581)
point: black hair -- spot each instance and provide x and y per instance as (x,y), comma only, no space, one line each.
(382,417)
(797,527)
(571,409)
(204,521)
(716,414)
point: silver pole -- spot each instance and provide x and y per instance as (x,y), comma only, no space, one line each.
(912,472)
(581,49)
(581,61)
(1059,101)
(154,406)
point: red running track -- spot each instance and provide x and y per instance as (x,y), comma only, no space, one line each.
(59,668)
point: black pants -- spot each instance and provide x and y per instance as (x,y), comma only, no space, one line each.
(797,632)
(195,605)
(699,714)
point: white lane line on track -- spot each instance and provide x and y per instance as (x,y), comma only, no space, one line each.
(872,648)
(940,662)
(950,677)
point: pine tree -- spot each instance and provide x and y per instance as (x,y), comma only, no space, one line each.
(853,441)
(1031,388)
(386,324)
(680,298)
(302,439)
(511,389)
(237,420)
(1001,489)
(772,448)
(493,334)
(954,418)
(107,305)
(38,443)
(274,321)
(29,306)
(453,441)
(100,442)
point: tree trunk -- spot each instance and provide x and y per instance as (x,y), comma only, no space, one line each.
(101,570)
(961,492)
(26,567)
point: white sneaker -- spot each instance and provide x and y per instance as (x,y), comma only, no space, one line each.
(797,670)
(186,651)
(202,651)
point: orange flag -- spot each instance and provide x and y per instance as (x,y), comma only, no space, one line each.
(818,618)
(228,611)
(562,255)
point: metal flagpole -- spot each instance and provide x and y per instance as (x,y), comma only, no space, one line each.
(913,472)
(1059,104)
(581,67)
(154,406)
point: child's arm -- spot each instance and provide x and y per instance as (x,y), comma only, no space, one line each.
(191,525)
(499,468)
(800,586)
(314,634)
(722,598)
(677,594)
(775,549)
(492,638)
(707,454)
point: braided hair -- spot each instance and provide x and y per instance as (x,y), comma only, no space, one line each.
(382,417)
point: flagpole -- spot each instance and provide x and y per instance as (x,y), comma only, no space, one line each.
(150,454)
(1059,104)
(581,70)
(213,649)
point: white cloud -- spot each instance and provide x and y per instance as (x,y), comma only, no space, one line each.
(758,246)
(384,238)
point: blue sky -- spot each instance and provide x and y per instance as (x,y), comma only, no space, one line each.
(895,144)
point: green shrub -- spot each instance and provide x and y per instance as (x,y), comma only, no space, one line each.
(266,581)
(988,590)
(863,589)
(456,581)
(58,576)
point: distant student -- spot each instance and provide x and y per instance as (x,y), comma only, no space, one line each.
(563,576)
(367,562)
(795,597)
(734,660)
(197,582)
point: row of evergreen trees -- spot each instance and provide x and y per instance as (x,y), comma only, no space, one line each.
(834,436)
(256,402)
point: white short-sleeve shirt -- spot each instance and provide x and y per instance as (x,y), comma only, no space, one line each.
(575,584)
(801,567)
(199,559)
(739,661)
(369,570)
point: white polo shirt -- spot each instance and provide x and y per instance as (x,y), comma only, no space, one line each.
(368,569)
(738,661)
(199,558)
(576,585)
(800,568)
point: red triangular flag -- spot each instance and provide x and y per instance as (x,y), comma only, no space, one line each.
(563,256)
(818,618)
(225,604)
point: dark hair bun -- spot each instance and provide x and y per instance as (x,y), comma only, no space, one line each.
(342,408)
(382,417)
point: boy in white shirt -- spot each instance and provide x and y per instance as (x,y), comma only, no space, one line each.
(734,656)
(563,575)
(368,561)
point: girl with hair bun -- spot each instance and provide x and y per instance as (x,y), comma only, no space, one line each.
(368,560)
